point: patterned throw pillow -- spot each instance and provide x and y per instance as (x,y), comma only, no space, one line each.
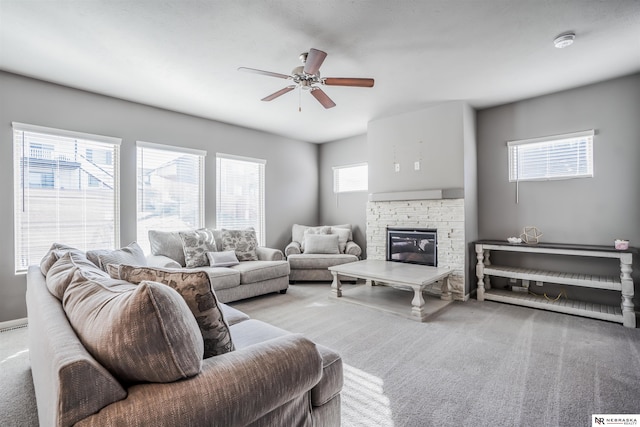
(243,242)
(195,289)
(196,244)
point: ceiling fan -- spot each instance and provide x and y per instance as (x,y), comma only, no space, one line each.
(307,77)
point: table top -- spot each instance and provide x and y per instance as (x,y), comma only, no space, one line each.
(560,246)
(392,272)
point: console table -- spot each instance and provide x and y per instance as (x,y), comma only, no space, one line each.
(624,313)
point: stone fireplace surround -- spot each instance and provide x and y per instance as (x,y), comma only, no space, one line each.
(445,215)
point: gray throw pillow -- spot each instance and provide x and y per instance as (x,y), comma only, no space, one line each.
(196,244)
(131,254)
(321,244)
(55,252)
(343,237)
(61,273)
(222,259)
(195,288)
(140,333)
(243,242)
(167,243)
(323,229)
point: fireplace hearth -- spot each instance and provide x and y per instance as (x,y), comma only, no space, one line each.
(412,245)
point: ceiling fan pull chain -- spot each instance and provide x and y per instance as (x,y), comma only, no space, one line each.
(299,99)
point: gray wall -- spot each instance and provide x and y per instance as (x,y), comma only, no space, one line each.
(434,134)
(346,207)
(291,186)
(591,210)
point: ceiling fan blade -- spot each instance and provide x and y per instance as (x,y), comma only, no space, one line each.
(266,73)
(278,93)
(315,58)
(347,81)
(322,98)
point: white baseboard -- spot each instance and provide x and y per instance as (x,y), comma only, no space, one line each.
(13,324)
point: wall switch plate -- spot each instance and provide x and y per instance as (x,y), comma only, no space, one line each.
(416,166)
(397,167)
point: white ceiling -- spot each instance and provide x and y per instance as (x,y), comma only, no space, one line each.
(183,55)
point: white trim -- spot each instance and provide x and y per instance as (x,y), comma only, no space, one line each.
(354,165)
(12,324)
(23,127)
(175,148)
(241,158)
(580,134)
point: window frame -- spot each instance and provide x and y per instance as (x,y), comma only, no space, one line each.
(141,145)
(336,180)
(22,178)
(261,229)
(514,163)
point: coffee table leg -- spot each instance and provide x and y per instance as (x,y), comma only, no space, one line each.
(336,286)
(446,290)
(417,309)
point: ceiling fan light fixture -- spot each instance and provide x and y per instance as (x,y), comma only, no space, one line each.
(564,40)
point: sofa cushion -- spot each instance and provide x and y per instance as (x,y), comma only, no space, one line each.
(195,289)
(222,259)
(321,244)
(196,244)
(343,237)
(61,273)
(167,243)
(131,254)
(257,271)
(243,242)
(232,315)
(140,333)
(221,277)
(313,261)
(55,252)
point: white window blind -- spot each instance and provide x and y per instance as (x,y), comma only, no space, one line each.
(555,157)
(350,178)
(170,189)
(240,194)
(66,190)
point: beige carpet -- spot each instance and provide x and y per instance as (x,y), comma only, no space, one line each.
(472,364)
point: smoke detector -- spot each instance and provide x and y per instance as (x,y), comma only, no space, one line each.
(564,40)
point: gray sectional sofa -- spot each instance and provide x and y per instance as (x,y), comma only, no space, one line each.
(106,352)
(269,273)
(313,249)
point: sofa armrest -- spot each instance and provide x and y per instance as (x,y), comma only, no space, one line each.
(353,248)
(162,261)
(293,248)
(269,254)
(233,389)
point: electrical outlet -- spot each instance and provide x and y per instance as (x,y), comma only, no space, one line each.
(397,167)
(416,166)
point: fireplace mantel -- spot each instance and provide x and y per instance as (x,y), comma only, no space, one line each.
(447,193)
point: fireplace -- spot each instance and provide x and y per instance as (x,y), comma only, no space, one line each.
(412,245)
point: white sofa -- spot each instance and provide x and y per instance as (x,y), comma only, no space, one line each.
(311,263)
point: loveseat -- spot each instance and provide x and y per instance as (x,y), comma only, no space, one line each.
(313,250)
(107,352)
(256,271)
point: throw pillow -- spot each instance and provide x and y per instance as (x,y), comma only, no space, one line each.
(196,244)
(321,244)
(167,243)
(343,237)
(55,252)
(243,242)
(348,227)
(142,333)
(195,288)
(313,230)
(222,259)
(131,254)
(61,273)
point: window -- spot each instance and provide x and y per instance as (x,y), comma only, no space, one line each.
(350,178)
(555,157)
(240,194)
(170,189)
(61,195)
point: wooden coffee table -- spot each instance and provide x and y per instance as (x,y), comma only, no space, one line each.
(396,274)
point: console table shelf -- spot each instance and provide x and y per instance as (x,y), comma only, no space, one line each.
(625,313)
